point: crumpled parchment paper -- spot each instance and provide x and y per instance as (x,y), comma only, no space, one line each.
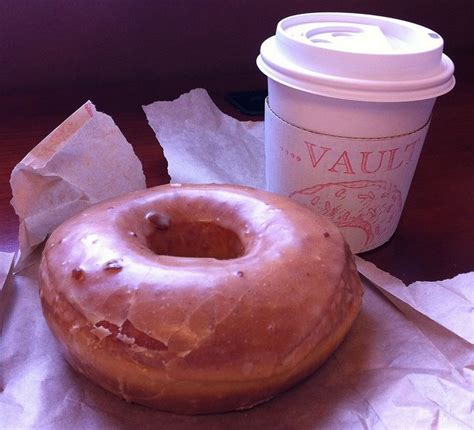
(407,363)
(203,145)
(84,160)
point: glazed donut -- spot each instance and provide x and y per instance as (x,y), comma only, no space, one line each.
(198,298)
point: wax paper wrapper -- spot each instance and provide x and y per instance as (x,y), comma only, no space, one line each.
(203,145)
(84,160)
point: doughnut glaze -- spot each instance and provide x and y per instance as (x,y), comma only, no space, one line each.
(198,298)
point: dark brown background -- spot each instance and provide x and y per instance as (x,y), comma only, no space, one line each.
(67,43)
(121,54)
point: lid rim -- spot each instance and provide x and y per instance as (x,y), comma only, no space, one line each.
(349,92)
(431,81)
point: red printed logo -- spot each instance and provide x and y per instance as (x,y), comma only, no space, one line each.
(373,207)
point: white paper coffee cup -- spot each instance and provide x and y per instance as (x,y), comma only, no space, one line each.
(350,100)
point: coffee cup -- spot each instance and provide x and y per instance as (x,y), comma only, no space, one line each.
(350,98)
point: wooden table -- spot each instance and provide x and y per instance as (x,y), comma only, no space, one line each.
(435,237)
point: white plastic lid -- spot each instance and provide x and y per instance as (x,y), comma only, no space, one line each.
(357,57)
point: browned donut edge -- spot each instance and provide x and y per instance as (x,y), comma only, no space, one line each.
(191,397)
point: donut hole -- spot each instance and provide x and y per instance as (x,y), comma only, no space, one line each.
(199,239)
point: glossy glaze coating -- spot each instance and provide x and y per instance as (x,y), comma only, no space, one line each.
(258,292)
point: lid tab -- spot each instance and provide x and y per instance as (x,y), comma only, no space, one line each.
(345,37)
